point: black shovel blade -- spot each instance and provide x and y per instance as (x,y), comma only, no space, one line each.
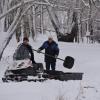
(69,62)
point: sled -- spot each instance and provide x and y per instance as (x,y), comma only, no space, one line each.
(63,76)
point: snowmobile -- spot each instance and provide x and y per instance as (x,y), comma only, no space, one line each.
(24,70)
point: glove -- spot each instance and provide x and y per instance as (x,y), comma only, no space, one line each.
(38,51)
(56,56)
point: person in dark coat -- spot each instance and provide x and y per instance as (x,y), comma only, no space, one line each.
(51,48)
(24,51)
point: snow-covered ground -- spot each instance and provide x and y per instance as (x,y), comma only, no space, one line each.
(87,60)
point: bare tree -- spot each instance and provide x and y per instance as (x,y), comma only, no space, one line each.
(12,28)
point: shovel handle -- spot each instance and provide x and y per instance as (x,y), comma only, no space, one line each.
(49,55)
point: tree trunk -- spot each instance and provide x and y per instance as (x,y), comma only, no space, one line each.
(54,20)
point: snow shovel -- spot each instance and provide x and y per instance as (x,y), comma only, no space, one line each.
(67,63)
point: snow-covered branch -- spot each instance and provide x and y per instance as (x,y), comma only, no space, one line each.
(5,13)
(98,7)
(12,28)
(19,5)
(86,4)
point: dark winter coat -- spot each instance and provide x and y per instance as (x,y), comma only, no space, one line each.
(24,52)
(51,49)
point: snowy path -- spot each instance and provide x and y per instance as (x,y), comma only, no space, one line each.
(87,60)
(49,90)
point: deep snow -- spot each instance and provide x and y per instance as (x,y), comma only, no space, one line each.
(87,60)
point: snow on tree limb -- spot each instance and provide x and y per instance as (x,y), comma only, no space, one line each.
(53,17)
(87,5)
(19,5)
(15,7)
(27,2)
(14,22)
(12,28)
(98,7)
(54,20)
(7,39)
